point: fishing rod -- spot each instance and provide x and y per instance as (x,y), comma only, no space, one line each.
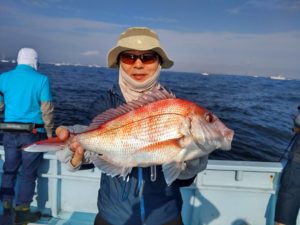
(288,147)
(296,130)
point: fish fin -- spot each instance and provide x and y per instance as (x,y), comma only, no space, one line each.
(151,96)
(172,170)
(47,145)
(110,169)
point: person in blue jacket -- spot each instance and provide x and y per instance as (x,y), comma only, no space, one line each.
(288,202)
(143,198)
(28,117)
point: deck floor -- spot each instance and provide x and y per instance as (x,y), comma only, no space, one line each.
(76,218)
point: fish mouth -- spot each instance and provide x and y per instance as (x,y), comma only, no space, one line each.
(228,137)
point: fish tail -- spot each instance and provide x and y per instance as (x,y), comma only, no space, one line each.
(47,145)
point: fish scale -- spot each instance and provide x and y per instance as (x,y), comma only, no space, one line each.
(133,136)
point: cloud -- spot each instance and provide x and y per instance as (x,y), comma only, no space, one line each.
(234,53)
(90,53)
(274,5)
(49,23)
(55,37)
(41,3)
(157,20)
(76,40)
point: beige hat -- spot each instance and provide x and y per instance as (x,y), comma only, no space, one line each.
(137,38)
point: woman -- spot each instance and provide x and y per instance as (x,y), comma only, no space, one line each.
(143,198)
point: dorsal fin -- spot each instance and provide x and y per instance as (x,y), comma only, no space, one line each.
(151,96)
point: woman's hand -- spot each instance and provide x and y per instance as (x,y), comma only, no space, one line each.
(64,134)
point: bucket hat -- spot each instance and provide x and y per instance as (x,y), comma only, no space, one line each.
(138,38)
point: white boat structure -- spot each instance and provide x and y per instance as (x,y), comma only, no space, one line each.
(62,64)
(205,74)
(278,77)
(226,193)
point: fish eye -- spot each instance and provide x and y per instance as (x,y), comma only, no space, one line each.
(209,117)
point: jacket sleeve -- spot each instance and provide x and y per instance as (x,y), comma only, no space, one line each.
(47,115)
(1,106)
(1,111)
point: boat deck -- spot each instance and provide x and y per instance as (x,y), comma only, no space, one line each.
(75,218)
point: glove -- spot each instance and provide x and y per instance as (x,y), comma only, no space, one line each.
(66,155)
(192,167)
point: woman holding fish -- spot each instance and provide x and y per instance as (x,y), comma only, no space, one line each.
(148,190)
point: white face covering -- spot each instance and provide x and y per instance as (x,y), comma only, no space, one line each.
(28,56)
(132,89)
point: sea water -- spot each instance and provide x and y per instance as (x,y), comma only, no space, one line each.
(260,110)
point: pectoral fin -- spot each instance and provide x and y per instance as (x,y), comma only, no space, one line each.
(172,171)
(110,169)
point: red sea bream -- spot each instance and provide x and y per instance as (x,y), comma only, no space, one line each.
(157,129)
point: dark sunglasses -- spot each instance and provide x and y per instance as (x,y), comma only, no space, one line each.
(146,58)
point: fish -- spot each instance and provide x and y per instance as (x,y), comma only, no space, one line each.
(156,129)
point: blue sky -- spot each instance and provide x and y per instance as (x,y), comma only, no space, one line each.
(243,37)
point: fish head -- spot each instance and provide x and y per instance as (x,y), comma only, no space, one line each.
(210,133)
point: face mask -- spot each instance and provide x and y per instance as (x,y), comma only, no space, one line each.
(132,89)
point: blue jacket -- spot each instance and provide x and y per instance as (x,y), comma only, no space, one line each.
(136,200)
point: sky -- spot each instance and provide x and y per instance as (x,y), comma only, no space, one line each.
(239,37)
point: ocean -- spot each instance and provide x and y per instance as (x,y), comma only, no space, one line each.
(260,110)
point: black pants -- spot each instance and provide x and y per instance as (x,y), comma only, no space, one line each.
(100,221)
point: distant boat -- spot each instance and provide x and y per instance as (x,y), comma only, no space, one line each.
(205,74)
(62,64)
(94,65)
(4,60)
(278,77)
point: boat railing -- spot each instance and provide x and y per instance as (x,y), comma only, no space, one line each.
(227,192)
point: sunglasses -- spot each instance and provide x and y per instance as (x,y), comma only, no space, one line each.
(146,58)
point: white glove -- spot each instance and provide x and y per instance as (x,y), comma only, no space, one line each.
(65,155)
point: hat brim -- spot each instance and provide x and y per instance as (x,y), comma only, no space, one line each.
(112,57)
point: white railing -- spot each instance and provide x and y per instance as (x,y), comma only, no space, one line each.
(226,192)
